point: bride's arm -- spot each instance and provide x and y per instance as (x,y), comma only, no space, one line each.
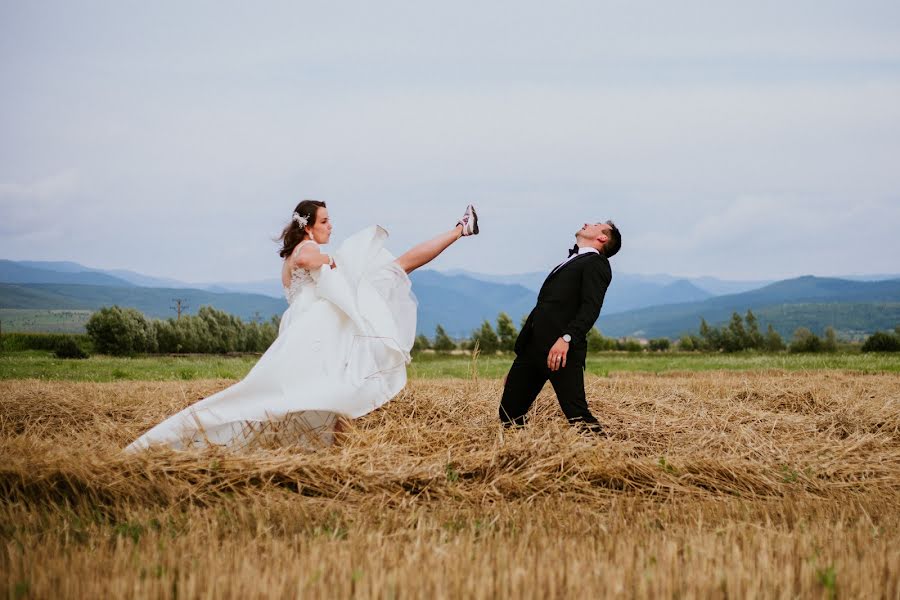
(311,258)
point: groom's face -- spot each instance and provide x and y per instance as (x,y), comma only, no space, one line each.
(597,233)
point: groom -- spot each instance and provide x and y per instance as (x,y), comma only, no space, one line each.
(553,342)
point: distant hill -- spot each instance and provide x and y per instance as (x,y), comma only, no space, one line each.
(851,320)
(13,272)
(816,293)
(79,273)
(639,305)
(153,302)
(712,285)
(460,303)
(627,292)
(267,287)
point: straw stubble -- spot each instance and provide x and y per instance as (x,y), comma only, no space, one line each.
(710,485)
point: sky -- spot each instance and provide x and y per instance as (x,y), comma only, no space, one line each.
(743,140)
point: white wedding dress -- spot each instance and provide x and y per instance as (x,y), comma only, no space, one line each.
(342,350)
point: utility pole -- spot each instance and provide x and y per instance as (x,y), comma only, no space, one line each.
(179,306)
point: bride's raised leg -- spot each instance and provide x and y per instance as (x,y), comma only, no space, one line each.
(425,252)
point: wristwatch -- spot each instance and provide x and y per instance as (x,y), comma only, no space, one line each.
(566,338)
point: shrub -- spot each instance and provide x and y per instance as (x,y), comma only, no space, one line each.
(687,344)
(805,341)
(442,341)
(829,344)
(42,341)
(224,330)
(659,345)
(629,346)
(597,343)
(421,343)
(189,334)
(882,341)
(773,341)
(121,331)
(69,348)
(212,331)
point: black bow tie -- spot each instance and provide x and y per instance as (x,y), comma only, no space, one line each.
(574,250)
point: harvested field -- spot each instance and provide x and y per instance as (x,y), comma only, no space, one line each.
(767,484)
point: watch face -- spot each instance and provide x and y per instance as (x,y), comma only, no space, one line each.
(567,338)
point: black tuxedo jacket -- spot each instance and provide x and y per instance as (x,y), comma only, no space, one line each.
(569,302)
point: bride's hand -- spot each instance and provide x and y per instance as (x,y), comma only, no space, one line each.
(311,258)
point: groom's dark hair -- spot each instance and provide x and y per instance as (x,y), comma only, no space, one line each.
(614,242)
(293,234)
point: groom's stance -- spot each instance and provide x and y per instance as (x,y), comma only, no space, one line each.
(553,342)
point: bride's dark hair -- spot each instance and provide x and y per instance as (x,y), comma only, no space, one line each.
(293,234)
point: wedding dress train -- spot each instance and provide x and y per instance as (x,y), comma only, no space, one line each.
(342,350)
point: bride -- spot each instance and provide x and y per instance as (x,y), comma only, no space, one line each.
(342,346)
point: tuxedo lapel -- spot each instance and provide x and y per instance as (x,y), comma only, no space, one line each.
(568,264)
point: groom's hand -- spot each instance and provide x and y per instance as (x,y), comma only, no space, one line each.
(557,357)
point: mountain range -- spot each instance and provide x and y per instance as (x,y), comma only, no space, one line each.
(853,308)
(635,305)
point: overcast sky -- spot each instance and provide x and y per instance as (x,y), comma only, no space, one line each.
(736,139)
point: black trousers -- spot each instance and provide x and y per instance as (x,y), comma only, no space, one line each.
(527,376)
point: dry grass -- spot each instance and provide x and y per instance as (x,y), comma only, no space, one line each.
(710,485)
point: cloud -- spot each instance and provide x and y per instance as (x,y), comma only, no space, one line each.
(39,207)
(690,124)
(770,236)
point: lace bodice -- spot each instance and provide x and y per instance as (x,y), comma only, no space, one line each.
(300,279)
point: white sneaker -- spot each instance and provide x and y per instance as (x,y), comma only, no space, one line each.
(469,221)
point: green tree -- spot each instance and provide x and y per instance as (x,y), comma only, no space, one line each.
(773,341)
(225,330)
(259,335)
(486,338)
(659,345)
(805,341)
(754,338)
(121,331)
(421,343)
(442,341)
(189,334)
(597,343)
(69,348)
(686,343)
(506,332)
(734,336)
(882,341)
(629,345)
(829,343)
(711,336)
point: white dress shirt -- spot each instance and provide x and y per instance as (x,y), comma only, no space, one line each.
(585,250)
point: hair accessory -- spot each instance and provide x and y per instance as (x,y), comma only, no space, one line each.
(300,220)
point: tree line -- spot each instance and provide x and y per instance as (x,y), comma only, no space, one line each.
(739,334)
(502,338)
(125,331)
(744,334)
